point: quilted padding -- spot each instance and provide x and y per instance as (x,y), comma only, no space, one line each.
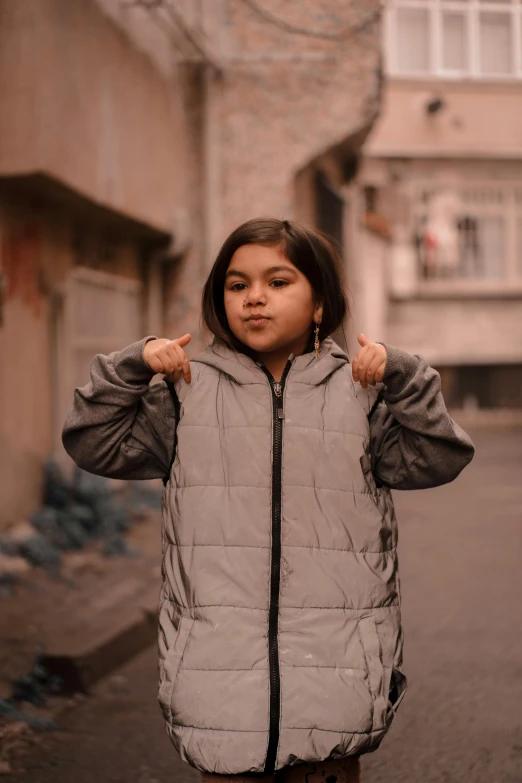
(279,637)
(339,632)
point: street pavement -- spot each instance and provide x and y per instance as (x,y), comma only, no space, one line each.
(461,721)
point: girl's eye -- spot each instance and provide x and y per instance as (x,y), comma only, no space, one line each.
(279,283)
(237,287)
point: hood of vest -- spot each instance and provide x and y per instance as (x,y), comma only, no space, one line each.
(306,368)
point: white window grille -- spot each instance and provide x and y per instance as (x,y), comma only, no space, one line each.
(470,234)
(477,39)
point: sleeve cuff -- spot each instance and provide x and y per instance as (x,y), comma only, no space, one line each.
(399,369)
(130,364)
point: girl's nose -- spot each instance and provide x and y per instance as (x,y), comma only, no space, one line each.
(255,297)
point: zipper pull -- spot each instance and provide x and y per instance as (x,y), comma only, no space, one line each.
(278,393)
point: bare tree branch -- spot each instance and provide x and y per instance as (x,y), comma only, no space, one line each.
(344,35)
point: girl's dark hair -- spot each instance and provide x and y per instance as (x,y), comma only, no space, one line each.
(308,249)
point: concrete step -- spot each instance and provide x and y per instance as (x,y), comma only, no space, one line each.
(103,635)
(98,614)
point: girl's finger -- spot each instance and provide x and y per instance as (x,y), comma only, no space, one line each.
(183,341)
(369,368)
(170,364)
(363,364)
(372,368)
(359,358)
(171,359)
(184,362)
(355,373)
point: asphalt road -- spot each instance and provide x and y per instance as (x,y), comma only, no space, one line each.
(461,721)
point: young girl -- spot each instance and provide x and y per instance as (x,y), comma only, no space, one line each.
(280,639)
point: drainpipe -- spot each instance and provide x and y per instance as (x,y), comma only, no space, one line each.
(212,165)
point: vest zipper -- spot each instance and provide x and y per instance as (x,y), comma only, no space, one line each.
(277,389)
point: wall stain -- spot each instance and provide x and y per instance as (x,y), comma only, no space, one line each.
(21,251)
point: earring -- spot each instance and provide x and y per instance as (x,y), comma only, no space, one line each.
(317,344)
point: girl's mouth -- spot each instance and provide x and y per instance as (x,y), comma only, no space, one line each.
(257,320)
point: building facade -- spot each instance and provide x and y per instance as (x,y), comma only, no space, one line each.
(134,136)
(439,196)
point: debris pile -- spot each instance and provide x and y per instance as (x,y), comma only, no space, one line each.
(15,738)
(34,688)
(75,512)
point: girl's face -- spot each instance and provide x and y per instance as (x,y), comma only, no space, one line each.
(269,303)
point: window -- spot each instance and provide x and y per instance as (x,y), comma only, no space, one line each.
(470,233)
(454,38)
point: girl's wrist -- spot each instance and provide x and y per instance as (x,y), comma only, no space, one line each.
(130,364)
(400,367)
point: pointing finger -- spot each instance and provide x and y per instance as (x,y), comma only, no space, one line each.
(355,368)
(185,365)
(183,341)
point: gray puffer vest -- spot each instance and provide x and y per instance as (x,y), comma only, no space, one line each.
(280,637)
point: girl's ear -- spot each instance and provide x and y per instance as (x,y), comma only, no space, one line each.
(318,313)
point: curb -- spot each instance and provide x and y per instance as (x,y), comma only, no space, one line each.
(79,671)
(90,620)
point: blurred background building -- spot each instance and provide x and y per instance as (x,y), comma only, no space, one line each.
(134,136)
(438,252)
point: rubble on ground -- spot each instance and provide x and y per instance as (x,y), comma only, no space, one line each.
(18,722)
(75,512)
(14,738)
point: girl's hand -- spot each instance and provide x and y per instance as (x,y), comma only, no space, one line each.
(168,356)
(369,363)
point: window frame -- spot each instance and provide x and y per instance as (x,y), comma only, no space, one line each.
(471,9)
(511,283)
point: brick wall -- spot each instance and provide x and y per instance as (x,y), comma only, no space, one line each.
(288,97)
(281,100)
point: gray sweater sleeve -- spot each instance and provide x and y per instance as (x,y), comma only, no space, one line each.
(414,442)
(119,426)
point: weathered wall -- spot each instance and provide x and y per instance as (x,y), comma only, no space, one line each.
(87,107)
(25,394)
(478,119)
(279,101)
(38,250)
(93,98)
(367,284)
(465,330)
(287,98)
